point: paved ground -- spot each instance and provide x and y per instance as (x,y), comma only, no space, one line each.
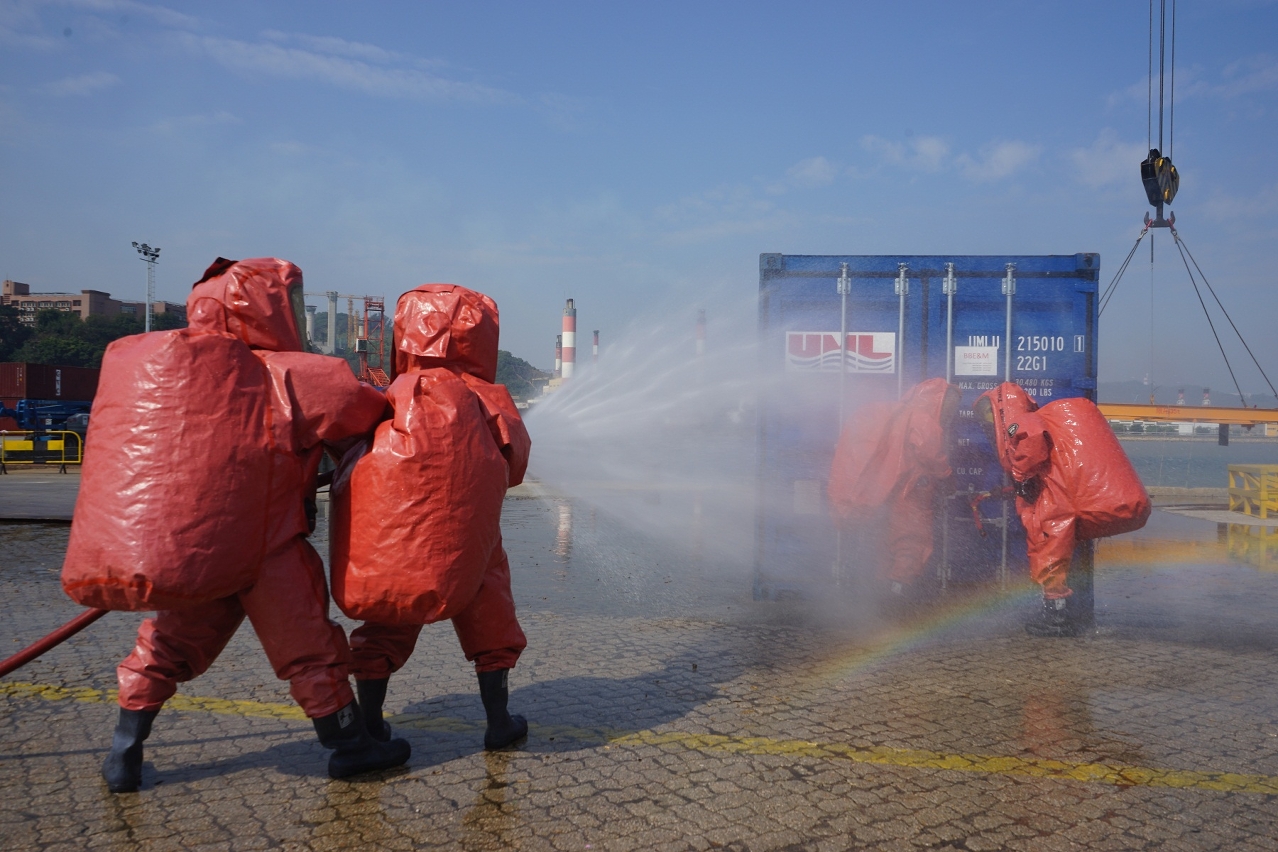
(38,493)
(670,711)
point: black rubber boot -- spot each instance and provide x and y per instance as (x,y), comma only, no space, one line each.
(122,768)
(372,694)
(354,750)
(1057,618)
(503,728)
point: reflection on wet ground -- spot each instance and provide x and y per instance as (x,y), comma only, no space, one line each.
(670,710)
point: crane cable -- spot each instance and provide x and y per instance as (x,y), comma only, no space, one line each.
(1221,305)
(1113,285)
(1219,345)
(1171,104)
(1186,255)
(1162,64)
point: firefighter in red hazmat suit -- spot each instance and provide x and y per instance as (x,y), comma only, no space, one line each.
(895,455)
(206,445)
(416,535)
(1072,481)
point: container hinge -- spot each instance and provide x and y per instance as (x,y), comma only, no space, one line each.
(844,282)
(1009,282)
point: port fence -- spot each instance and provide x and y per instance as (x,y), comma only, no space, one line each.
(59,448)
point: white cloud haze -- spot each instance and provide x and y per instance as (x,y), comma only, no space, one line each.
(81,85)
(1109,160)
(338,69)
(814,171)
(931,154)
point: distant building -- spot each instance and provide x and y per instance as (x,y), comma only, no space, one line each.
(86,303)
(138,309)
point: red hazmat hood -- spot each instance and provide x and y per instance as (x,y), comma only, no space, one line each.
(444,325)
(248,299)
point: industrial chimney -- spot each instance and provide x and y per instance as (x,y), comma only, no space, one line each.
(569,340)
(330,346)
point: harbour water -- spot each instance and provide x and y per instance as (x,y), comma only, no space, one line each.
(1197,462)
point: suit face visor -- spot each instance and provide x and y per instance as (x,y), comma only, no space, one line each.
(984,410)
(297,300)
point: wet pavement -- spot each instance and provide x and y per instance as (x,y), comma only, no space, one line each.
(38,493)
(670,711)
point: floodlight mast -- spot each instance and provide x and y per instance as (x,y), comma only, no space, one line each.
(149,256)
(844,288)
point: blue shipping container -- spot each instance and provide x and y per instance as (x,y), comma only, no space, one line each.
(976,320)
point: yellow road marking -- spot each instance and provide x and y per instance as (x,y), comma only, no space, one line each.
(1092,773)
(221,706)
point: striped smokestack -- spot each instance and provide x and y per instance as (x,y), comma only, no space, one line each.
(594,350)
(701,333)
(559,355)
(570,340)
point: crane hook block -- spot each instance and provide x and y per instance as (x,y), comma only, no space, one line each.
(1160,178)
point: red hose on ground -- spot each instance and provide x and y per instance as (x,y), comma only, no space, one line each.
(54,639)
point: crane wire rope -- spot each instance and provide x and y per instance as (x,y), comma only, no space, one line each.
(1221,346)
(1221,305)
(1153,336)
(1162,69)
(1171,129)
(1113,284)
(1162,64)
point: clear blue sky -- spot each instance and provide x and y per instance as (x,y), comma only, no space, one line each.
(632,154)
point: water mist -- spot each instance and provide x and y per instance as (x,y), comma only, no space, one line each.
(661,438)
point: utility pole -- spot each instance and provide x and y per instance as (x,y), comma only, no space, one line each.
(149,256)
(844,289)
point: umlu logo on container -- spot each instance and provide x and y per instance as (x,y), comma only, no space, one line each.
(818,351)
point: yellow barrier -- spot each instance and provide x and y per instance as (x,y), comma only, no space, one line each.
(1253,489)
(60,448)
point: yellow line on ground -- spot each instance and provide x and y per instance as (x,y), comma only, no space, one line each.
(1092,773)
(222,706)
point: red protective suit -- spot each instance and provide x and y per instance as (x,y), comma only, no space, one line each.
(206,444)
(416,527)
(1081,482)
(894,455)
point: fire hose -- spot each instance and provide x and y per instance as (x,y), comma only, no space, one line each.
(975,500)
(55,638)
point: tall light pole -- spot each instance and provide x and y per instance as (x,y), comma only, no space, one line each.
(149,256)
(845,288)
